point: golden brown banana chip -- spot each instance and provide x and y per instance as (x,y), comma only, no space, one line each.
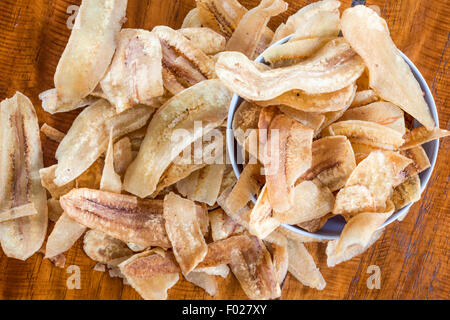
(310,202)
(293,52)
(178,119)
(325,102)
(54,209)
(222,226)
(421,135)
(318,19)
(63,236)
(262,222)
(371,183)
(184,231)
(406,193)
(91,128)
(333,68)
(280,257)
(153,286)
(303,267)
(289,155)
(22,193)
(52,133)
(252,26)
(364,97)
(110,181)
(206,39)
(384,113)
(104,249)
(390,76)
(135,74)
(89,51)
(370,133)
(192,20)
(254,270)
(245,127)
(333,161)
(123,217)
(241,215)
(350,252)
(187,64)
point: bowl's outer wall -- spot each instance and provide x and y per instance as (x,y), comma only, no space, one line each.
(334,226)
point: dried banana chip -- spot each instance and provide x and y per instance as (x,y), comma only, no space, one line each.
(88,53)
(222,226)
(364,97)
(262,221)
(362,151)
(65,233)
(123,155)
(420,159)
(315,20)
(251,27)
(333,68)
(407,192)
(390,76)
(421,135)
(52,133)
(254,270)
(153,287)
(240,215)
(91,128)
(110,179)
(205,281)
(371,183)
(288,156)
(48,176)
(192,20)
(333,161)
(206,39)
(105,249)
(182,60)
(280,259)
(22,192)
(25,210)
(54,210)
(370,133)
(122,217)
(310,119)
(293,52)
(384,113)
(316,224)
(184,231)
(207,102)
(303,267)
(310,202)
(135,74)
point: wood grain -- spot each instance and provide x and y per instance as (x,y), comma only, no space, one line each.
(413,255)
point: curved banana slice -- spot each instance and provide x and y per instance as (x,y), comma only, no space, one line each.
(192,20)
(390,76)
(421,135)
(315,20)
(207,102)
(251,27)
(206,39)
(364,97)
(87,139)
(371,183)
(324,102)
(384,113)
(333,68)
(370,133)
(89,51)
(333,161)
(135,74)
(21,160)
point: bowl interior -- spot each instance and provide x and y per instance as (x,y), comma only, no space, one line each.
(334,226)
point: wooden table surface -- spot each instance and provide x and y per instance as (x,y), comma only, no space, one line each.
(413,255)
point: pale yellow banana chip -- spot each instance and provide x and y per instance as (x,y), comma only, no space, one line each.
(333,68)
(262,221)
(52,133)
(390,76)
(223,226)
(192,20)
(421,135)
(364,97)
(310,119)
(206,39)
(207,102)
(110,181)
(105,249)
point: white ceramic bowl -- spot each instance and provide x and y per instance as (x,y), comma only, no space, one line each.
(334,226)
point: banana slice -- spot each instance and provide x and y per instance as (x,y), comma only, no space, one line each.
(21,155)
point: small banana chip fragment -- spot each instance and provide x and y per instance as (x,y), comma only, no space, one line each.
(407,192)
(206,39)
(22,193)
(105,249)
(418,136)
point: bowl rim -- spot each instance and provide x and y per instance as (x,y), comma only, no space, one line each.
(424,176)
